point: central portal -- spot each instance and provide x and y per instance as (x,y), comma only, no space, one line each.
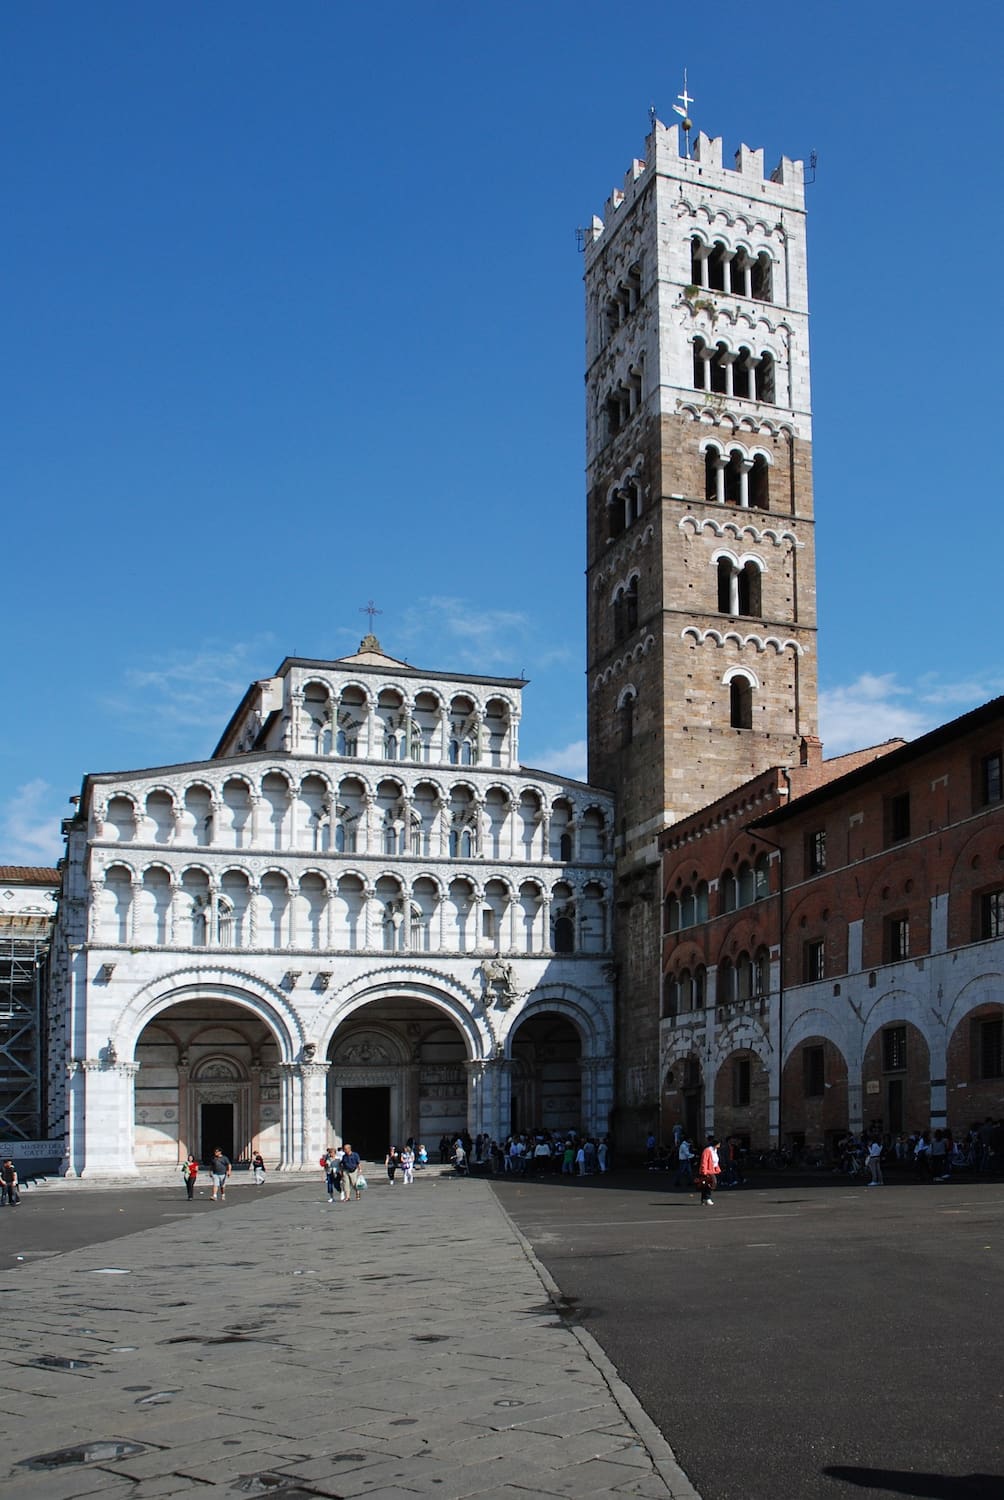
(366,1121)
(398,1072)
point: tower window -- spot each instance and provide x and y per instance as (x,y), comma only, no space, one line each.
(897,818)
(626,711)
(631,605)
(741,1081)
(741,703)
(764,379)
(759,484)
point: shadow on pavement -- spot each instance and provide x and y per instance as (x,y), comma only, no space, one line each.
(925,1486)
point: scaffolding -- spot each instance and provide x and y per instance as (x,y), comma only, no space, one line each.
(24,948)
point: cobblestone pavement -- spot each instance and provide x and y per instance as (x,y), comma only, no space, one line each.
(408,1344)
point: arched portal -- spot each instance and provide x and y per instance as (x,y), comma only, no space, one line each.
(399,1071)
(208,1076)
(547,1075)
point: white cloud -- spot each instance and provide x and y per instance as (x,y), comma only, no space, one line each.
(570,760)
(873,709)
(30,823)
(485,638)
(174,695)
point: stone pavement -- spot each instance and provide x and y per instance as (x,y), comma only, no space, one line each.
(409,1344)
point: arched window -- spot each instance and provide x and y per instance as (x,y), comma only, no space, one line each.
(726,985)
(672,914)
(619,615)
(631,605)
(741,703)
(761,972)
(564,935)
(729,891)
(762,281)
(761,877)
(688,907)
(726,570)
(745,884)
(627,713)
(565,847)
(765,379)
(749,590)
(744,977)
(700,987)
(759,484)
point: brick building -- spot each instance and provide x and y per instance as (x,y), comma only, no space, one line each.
(833,948)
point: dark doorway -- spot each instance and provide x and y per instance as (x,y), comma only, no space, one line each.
(895,1101)
(217,1130)
(366,1121)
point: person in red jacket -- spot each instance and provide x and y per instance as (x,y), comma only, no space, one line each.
(710,1170)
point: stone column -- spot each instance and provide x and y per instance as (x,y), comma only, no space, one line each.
(719,479)
(105,1092)
(745,465)
(313,1077)
(294,797)
(255,819)
(488,1093)
(597,1075)
(369,896)
(296,717)
(95,891)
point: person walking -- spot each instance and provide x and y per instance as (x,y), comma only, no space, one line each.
(392,1161)
(875,1163)
(220,1169)
(408,1166)
(684,1165)
(350,1173)
(709,1170)
(189,1172)
(258,1168)
(332,1167)
(9,1193)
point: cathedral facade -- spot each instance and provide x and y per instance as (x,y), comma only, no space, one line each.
(361,919)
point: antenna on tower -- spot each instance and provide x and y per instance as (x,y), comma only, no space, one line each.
(683,110)
(813,159)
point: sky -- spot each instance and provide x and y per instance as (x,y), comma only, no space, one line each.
(292,321)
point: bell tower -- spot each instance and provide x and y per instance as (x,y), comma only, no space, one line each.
(700,560)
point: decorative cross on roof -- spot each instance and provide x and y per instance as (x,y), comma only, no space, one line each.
(369,608)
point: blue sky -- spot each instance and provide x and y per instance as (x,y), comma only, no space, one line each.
(292,319)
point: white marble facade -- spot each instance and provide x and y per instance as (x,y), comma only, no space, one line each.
(360,910)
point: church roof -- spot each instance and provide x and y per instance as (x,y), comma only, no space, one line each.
(372,654)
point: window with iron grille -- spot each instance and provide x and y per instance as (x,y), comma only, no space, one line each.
(894,1049)
(991,914)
